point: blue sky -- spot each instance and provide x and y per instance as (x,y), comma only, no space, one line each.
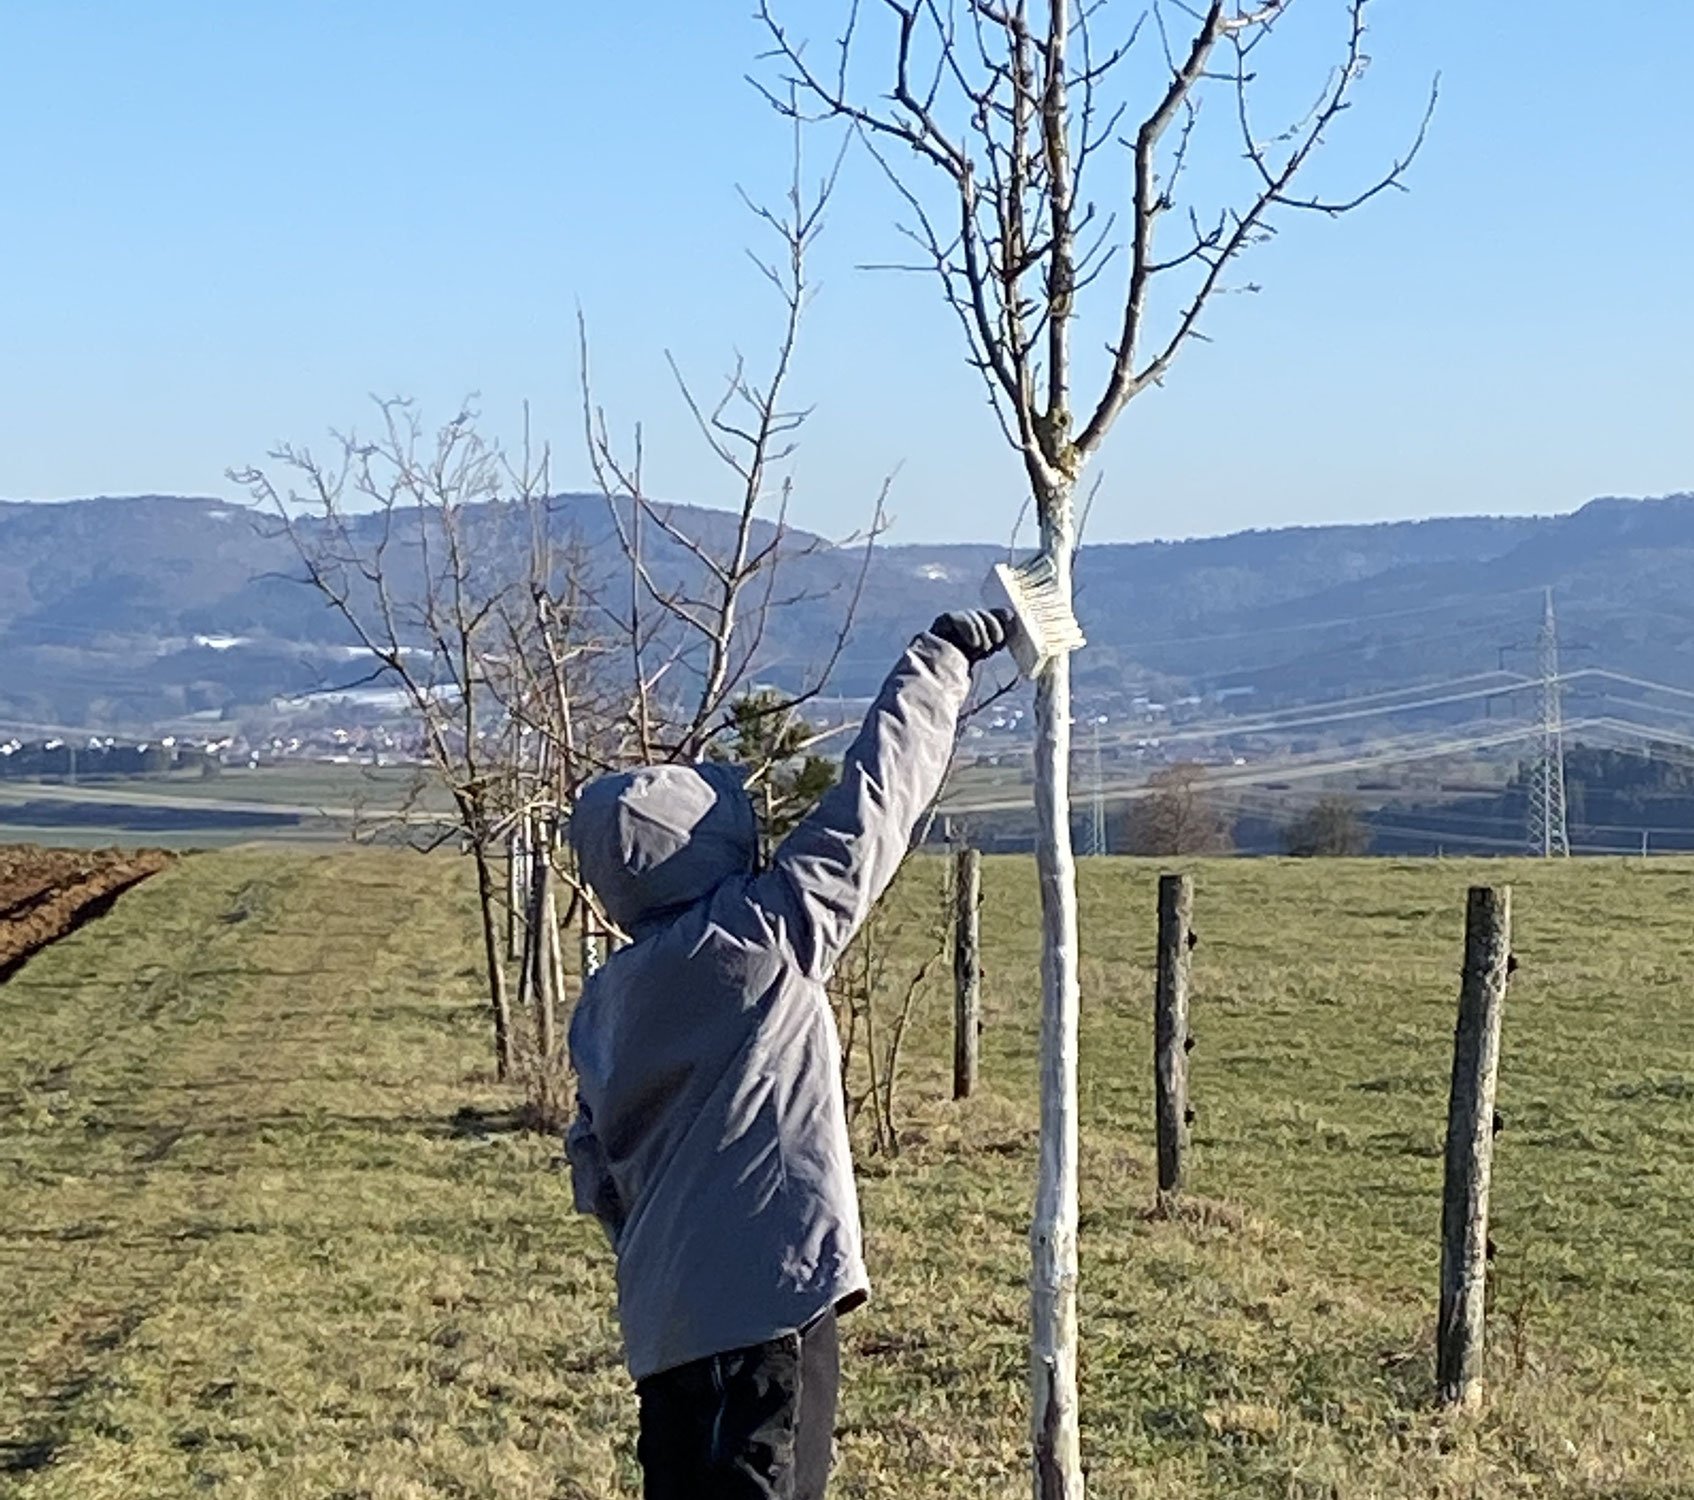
(224,225)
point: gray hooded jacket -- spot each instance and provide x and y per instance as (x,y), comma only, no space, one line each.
(711,1140)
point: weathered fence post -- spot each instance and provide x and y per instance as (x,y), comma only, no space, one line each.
(1170,1028)
(1470,1145)
(967,968)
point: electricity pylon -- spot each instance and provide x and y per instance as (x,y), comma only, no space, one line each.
(1548,833)
(1097,822)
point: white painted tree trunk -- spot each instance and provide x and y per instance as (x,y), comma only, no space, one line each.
(1057,1447)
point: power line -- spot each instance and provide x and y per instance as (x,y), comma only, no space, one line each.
(1399,751)
(1640,682)
(1380,753)
(1635,705)
(1267,725)
(1651,733)
(1303,715)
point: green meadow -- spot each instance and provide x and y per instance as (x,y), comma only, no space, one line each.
(268,1226)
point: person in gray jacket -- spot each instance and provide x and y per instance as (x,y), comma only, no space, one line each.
(711,1138)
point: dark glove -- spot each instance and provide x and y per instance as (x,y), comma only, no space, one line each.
(979,633)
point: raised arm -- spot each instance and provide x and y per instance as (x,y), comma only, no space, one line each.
(829,872)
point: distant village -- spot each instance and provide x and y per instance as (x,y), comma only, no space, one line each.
(94,757)
(357,729)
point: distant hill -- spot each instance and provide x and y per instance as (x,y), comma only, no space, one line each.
(127,612)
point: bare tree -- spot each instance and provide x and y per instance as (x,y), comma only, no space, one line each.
(891,968)
(986,116)
(561,692)
(383,533)
(414,541)
(1176,816)
(1331,827)
(531,661)
(693,608)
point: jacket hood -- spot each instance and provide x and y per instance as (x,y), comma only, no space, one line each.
(658,839)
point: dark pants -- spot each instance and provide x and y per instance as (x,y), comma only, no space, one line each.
(752,1424)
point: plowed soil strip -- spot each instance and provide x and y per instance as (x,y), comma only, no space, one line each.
(46,893)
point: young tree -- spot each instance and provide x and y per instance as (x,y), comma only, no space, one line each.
(692,605)
(785,772)
(986,116)
(532,661)
(408,537)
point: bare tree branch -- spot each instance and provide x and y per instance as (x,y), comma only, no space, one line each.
(699,601)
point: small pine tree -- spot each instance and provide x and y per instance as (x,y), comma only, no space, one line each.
(785,776)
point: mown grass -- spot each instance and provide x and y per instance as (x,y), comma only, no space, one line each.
(265,1230)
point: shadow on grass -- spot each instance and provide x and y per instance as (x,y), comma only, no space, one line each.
(35,1450)
(26,1455)
(160,1138)
(466,1124)
(471,1123)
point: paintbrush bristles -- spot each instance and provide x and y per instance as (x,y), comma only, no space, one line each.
(1045,625)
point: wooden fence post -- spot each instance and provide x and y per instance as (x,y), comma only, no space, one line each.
(1470,1145)
(1170,1028)
(967,968)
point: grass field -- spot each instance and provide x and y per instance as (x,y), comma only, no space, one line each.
(303,782)
(266,1232)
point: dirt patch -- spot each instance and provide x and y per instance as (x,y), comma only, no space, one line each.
(45,893)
